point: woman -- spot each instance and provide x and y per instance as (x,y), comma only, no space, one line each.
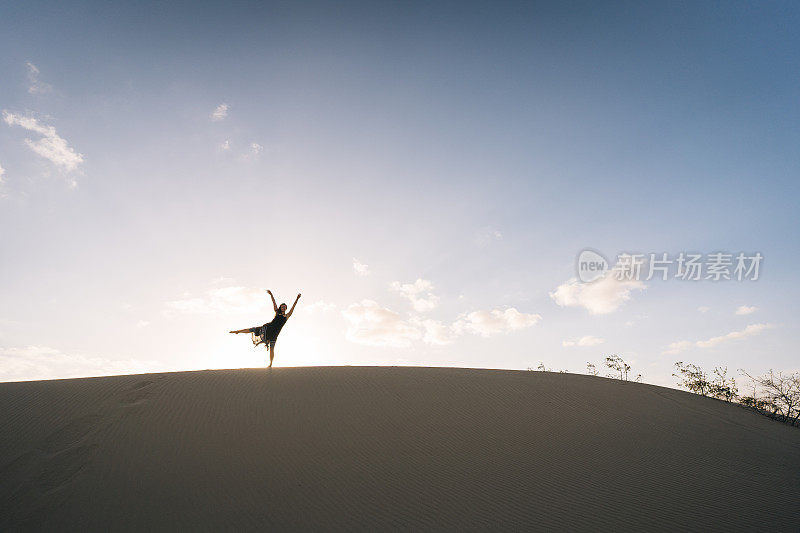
(268,333)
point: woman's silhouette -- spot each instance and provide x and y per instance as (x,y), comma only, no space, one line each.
(268,333)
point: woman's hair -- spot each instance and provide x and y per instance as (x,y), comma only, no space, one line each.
(282,306)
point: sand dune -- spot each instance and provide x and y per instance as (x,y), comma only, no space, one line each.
(354,448)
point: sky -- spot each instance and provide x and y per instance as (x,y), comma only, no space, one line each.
(425,174)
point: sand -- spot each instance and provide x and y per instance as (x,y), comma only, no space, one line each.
(368,448)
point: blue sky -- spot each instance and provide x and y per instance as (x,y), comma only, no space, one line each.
(164,164)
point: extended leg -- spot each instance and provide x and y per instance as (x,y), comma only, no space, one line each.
(271,353)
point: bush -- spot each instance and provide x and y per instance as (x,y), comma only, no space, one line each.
(619,367)
(776,395)
(693,378)
(721,387)
(780,395)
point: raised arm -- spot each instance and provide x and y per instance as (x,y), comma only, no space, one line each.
(292,309)
(274,305)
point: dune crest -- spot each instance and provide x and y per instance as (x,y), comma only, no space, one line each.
(388,447)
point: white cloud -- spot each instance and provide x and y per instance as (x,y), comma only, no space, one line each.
(226,145)
(223,300)
(256,148)
(435,332)
(486,236)
(142,324)
(746,310)
(36,86)
(418,293)
(220,113)
(587,340)
(373,325)
(488,323)
(360,268)
(703,309)
(41,362)
(749,331)
(599,297)
(51,146)
(677,347)
(2,173)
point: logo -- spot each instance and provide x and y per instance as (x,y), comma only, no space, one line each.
(687,266)
(591,265)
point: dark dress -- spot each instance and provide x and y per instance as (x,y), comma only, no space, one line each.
(269,331)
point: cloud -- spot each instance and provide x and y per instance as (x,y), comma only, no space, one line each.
(418,293)
(142,324)
(223,300)
(36,86)
(677,347)
(360,268)
(488,323)
(226,145)
(746,310)
(42,362)
(703,309)
(256,148)
(2,173)
(51,146)
(373,325)
(486,236)
(435,332)
(749,331)
(588,340)
(599,297)
(220,113)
